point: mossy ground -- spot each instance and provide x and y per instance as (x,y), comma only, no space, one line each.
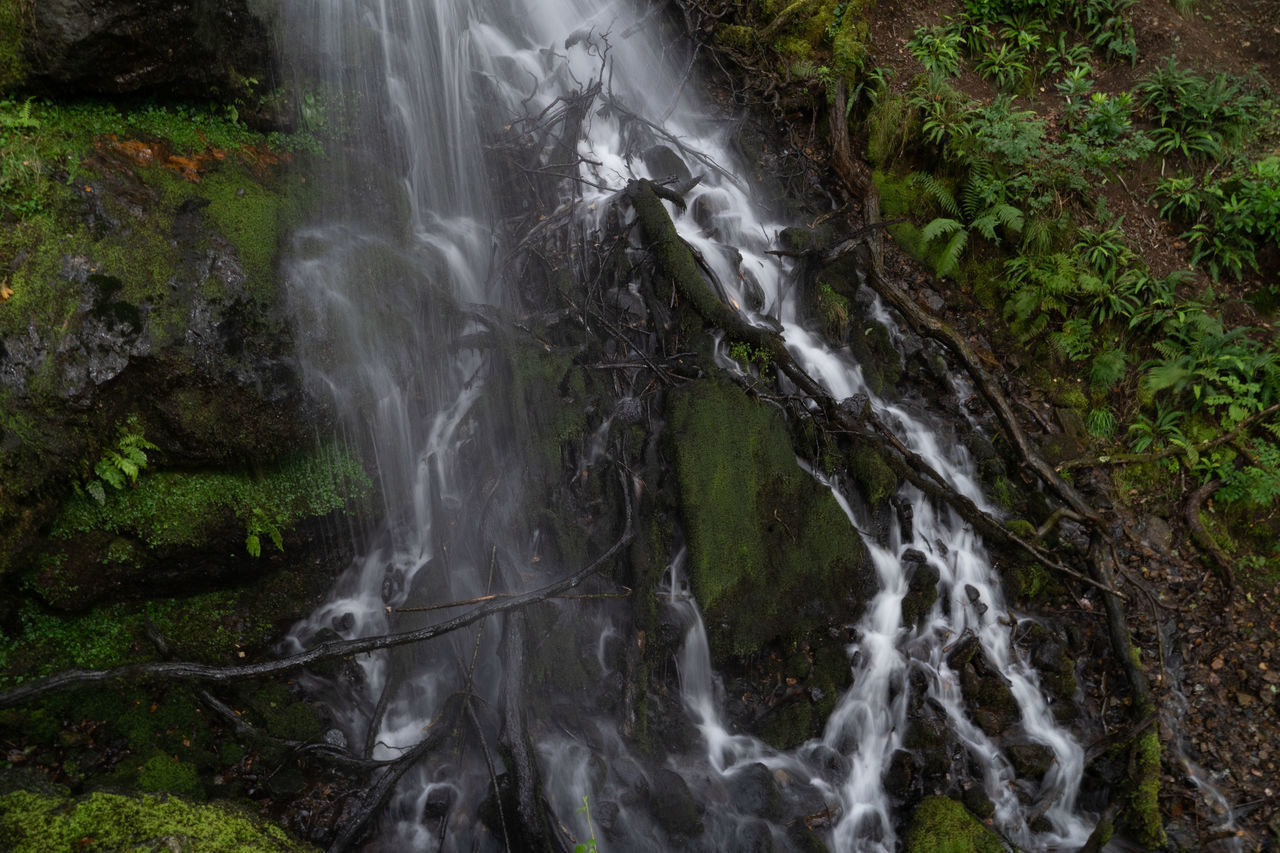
(185,508)
(36,823)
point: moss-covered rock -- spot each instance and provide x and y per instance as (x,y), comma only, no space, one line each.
(173,532)
(35,823)
(763,536)
(942,825)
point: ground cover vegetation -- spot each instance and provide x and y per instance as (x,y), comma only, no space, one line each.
(1015,147)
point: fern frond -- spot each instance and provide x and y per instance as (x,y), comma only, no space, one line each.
(1165,376)
(949,260)
(940,227)
(935,189)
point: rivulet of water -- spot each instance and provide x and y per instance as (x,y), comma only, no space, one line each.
(394,286)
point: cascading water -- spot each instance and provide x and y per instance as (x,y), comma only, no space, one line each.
(399,288)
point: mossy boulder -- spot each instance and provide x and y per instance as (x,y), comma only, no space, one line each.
(772,555)
(35,823)
(942,825)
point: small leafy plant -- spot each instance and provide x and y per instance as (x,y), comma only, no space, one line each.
(588,846)
(120,466)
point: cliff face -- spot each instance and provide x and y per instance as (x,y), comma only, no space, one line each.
(151,413)
(198,48)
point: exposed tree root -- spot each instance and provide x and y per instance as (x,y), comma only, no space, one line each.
(1202,538)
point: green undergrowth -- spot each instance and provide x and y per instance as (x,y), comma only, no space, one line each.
(36,823)
(169,508)
(1002,197)
(198,627)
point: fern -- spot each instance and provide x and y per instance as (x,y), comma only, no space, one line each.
(121,465)
(1107,368)
(1000,215)
(20,120)
(933,188)
(1075,339)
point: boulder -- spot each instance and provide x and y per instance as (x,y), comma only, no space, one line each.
(189,48)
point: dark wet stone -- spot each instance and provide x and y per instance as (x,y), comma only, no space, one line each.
(975,598)
(753,836)
(754,792)
(922,586)
(975,799)
(1030,760)
(752,292)
(437,803)
(830,762)
(899,774)
(664,164)
(605,815)
(201,49)
(855,407)
(707,207)
(673,805)
(629,410)
(906,517)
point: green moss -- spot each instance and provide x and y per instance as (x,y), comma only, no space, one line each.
(185,508)
(1142,818)
(876,478)
(36,823)
(742,39)
(762,534)
(1021,527)
(833,312)
(163,773)
(197,627)
(1071,397)
(941,825)
(248,213)
(283,715)
(15,19)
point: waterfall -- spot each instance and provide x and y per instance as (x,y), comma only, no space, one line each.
(399,288)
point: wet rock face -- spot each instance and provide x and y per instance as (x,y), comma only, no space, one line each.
(189,47)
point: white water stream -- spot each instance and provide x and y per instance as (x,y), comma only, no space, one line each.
(388,311)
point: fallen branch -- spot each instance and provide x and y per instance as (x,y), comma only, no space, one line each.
(185,671)
(375,796)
